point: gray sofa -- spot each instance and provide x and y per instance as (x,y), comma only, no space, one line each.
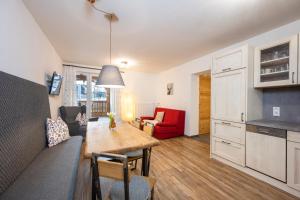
(29,170)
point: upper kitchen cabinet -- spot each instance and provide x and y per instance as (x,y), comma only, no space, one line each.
(230,60)
(276,64)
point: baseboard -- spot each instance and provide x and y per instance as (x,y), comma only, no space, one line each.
(278,184)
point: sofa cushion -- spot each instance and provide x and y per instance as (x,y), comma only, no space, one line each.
(51,175)
(24,107)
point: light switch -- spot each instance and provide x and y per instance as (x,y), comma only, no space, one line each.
(276,111)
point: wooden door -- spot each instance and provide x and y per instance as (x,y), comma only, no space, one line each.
(204,103)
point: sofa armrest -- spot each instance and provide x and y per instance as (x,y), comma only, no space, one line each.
(166,124)
(147,117)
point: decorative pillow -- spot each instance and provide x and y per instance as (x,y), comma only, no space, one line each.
(57,131)
(152,122)
(81,118)
(159,116)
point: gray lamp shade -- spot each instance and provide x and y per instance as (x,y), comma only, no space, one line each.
(110,77)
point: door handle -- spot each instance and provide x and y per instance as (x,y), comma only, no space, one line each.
(227,69)
(226,123)
(263,131)
(226,142)
(242,117)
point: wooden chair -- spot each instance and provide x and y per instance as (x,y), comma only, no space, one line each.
(114,176)
(134,156)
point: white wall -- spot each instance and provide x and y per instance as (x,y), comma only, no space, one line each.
(185,81)
(142,86)
(25,51)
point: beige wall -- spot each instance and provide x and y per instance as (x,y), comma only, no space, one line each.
(25,51)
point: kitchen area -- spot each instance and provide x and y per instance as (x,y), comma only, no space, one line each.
(256,111)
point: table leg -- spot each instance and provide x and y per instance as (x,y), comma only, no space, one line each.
(145,160)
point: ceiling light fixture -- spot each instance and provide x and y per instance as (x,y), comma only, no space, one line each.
(110,76)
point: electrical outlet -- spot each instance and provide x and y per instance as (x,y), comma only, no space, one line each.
(276,111)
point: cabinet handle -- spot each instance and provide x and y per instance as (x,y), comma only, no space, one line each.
(242,117)
(293,74)
(227,69)
(263,131)
(226,123)
(225,142)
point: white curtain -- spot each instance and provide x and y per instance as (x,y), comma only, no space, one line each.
(69,86)
(115,106)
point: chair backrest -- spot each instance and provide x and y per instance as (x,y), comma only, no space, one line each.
(69,113)
(110,169)
(24,107)
(114,170)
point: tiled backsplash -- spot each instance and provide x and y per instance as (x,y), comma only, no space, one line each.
(288,99)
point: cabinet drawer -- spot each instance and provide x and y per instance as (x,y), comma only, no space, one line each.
(229,150)
(234,132)
(229,61)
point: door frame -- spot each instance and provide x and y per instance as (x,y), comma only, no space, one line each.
(194,104)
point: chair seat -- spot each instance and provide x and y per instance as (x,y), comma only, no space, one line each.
(139,189)
(137,153)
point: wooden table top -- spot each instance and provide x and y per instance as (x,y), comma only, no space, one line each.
(122,139)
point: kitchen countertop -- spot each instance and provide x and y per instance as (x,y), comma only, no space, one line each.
(276,124)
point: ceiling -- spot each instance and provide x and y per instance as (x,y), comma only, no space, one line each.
(154,35)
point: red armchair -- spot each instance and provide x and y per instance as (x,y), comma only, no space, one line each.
(172,124)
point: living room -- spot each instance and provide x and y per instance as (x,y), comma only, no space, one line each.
(122,100)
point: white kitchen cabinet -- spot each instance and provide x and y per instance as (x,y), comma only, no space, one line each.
(229,96)
(293,160)
(234,132)
(275,64)
(229,150)
(232,102)
(230,60)
(266,154)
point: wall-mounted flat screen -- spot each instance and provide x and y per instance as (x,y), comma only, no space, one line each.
(55,84)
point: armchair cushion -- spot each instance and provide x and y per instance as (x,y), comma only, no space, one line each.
(166,124)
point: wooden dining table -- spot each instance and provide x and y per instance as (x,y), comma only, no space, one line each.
(122,139)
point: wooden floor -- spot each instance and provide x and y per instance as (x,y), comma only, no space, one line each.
(184,171)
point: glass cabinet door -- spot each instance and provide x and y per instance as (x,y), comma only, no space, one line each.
(276,64)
